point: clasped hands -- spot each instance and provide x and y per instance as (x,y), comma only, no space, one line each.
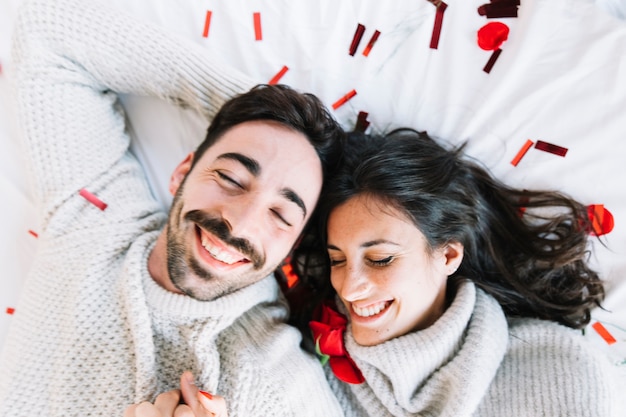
(188,401)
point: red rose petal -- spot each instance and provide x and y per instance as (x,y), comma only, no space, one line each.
(492,36)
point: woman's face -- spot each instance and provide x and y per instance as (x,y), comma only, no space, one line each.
(382,270)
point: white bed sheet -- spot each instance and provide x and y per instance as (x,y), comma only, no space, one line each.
(561,78)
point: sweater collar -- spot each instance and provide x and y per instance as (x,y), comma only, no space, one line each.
(443,370)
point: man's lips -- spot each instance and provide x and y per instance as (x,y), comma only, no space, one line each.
(213,249)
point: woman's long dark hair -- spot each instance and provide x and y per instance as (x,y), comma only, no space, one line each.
(528,249)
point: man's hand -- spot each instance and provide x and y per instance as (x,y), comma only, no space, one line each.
(195,403)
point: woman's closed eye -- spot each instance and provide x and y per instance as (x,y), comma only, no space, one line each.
(381,262)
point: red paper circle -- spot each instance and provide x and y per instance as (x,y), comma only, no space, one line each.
(602,221)
(492,35)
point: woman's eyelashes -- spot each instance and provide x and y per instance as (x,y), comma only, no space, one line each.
(381,262)
(371,261)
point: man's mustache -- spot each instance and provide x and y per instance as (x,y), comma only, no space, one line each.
(219,228)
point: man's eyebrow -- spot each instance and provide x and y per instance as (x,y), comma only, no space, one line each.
(291,195)
(250,164)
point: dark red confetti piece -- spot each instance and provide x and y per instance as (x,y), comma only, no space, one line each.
(551,148)
(356,39)
(492,60)
(434,39)
(361,122)
(33,233)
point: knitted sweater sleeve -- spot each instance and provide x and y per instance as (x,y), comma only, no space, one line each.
(72,58)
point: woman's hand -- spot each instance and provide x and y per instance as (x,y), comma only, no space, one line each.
(195,403)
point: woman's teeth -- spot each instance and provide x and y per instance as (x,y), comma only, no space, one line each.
(370,310)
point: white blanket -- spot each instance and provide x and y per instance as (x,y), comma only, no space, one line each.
(560,79)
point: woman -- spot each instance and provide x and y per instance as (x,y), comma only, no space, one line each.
(456,295)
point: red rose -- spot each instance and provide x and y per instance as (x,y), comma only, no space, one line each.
(328,335)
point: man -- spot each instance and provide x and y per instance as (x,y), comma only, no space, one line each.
(123,299)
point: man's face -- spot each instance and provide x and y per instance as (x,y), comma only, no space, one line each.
(238,213)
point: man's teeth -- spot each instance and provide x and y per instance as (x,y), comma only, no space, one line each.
(219,254)
(371,310)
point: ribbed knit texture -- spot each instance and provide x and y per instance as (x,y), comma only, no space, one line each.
(471,362)
(93,332)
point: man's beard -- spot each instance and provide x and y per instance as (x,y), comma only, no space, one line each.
(183,266)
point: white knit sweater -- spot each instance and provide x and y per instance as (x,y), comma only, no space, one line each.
(471,362)
(93,332)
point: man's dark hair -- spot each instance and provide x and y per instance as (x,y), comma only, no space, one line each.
(302,112)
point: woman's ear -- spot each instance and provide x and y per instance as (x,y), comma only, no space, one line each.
(180,172)
(453,256)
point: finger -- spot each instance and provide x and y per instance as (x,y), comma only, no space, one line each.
(183,410)
(144,409)
(167,402)
(189,391)
(214,404)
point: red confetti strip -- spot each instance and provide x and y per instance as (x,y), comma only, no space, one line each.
(33,233)
(603,332)
(290,275)
(522,152)
(602,221)
(344,99)
(371,43)
(92,199)
(10,310)
(492,60)
(207,24)
(278,76)
(361,122)
(441,8)
(356,39)
(548,147)
(257,26)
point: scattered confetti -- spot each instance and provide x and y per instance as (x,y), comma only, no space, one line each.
(499,8)
(522,152)
(548,147)
(290,275)
(490,38)
(361,122)
(279,75)
(207,24)
(441,8)
(604,333)
(257,26)
(92,199)
(10,310)
(602,221)
(344,99)
(356,39)
(33,233)
(371,43)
